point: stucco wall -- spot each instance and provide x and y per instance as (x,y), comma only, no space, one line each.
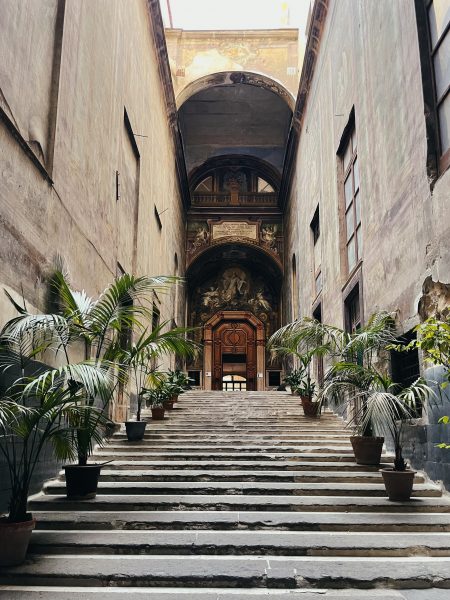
(369,59)
(74,108)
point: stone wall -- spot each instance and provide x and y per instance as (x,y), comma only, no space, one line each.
(368,62)
(82,109)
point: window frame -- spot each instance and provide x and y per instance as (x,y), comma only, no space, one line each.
(348,172)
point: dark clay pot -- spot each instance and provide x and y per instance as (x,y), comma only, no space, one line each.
(14,540)
(158,413)
(135,430)
(398,484)
(367,449)
(310,409)
(168,404)
(82,481)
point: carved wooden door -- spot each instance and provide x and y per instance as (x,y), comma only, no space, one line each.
(234,338)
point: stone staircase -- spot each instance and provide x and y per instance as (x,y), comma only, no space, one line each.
(236,496)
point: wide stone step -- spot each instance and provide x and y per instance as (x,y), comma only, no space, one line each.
(260,465)
(240,543)
(238,502)
(253,520)
(245,488)
(227,571)
(110,474)
(323,454)
(244,446)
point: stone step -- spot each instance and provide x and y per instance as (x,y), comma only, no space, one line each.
(169,438)
(316,454)
(110,474)
(252,520)
(244,488)
(244,446)
(163,593)
(172,502)
(230,571)
(260,465)
(240,543)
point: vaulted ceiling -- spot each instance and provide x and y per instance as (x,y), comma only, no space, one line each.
(234,119)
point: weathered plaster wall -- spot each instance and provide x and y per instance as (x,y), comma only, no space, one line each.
(369,59)
(277,53)
(61,197)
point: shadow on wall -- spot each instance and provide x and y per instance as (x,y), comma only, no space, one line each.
(420,441)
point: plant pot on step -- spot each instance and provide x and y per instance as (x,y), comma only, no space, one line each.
(168,404)
(14,540)
(310,409)
(158,413)
(135,430)
(367,449)
(82,481)
(398,484)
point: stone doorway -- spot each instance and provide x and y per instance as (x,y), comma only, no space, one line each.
(234,351)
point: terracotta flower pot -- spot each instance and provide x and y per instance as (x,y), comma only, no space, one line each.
(367,449)
(310,409)
(82,481)
(168,404)
(135,430)
(398,484)
(158,413)
(14,540)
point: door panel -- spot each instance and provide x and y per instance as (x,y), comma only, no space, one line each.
(234,337)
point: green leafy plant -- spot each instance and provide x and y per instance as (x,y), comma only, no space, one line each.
(42,402)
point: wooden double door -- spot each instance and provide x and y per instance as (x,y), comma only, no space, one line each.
(234,346)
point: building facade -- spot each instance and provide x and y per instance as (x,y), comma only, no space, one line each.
(208,157)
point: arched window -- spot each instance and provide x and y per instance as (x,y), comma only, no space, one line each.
(264,186)
(206,185)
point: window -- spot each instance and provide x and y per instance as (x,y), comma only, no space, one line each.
(438,12)
(264,186)
(274,378)
(206,185)
(234,383)
(196,377)
(317,267)
(294,288)
(352,306)
(405,366)
(318,360)
(352,201)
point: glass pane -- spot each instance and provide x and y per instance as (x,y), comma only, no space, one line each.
(348,190)
(347,155)
(359,242)
(264,186)
(442,67)
(351,254)
(356,173)
(439,16)
(358,208)
(444,124)
(205,186)
(350,222)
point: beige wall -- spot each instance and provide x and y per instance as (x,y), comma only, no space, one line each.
(371,62)
(75,112)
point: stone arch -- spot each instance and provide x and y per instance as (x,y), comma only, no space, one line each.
(234,78)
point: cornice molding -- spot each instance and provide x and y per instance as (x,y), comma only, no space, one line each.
(315,32)
(159,41)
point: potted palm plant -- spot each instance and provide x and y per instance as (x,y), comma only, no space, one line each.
(385,408)
(294,379)
(36,410)
(180,381)
(104,327)
(155,398)
(139,358)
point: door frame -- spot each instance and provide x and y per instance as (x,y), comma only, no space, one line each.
(208,339)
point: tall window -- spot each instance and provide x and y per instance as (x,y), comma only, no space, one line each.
(315,232)
(438,12)
(352,307)
(352,198)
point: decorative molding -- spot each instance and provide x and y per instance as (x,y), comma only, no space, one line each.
(159,41)
(315,32)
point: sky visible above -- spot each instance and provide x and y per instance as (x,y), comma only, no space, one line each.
(236,14)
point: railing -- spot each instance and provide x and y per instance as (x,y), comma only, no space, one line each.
(226,199)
